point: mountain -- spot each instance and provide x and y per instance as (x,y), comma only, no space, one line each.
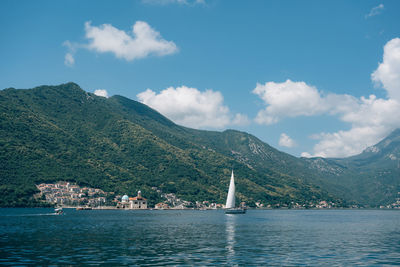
(53,133)
(371,178)
(384,155)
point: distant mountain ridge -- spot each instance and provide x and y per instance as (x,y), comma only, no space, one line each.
(53,133)
(385,154)
(371,178)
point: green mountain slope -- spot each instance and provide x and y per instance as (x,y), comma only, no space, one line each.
(53,133)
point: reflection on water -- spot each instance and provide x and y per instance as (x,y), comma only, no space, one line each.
(199,238)
(230,225)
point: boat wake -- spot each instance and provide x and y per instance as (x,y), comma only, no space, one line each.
(29,215)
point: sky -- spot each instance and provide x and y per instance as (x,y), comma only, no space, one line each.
(310,78)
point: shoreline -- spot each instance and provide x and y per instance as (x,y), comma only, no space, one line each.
(173,209)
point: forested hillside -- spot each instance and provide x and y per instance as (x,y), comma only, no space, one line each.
(53,133)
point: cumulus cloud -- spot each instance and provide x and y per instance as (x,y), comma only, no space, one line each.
(141,42)
(286,99)
(101,92)
(375,11)
(306,155)
(69,60)
(192,108)
(388,72)
(371,118)
(347,143)
(240,119)
(293,99)
(286,141)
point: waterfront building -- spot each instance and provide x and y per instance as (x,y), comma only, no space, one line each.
(125,199)
(161,206)
(138,202)
(124,204)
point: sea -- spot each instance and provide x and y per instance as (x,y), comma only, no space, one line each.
(200,238)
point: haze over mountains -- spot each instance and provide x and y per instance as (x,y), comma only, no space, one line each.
(53,133)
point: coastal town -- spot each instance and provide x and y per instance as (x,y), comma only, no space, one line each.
(67,194)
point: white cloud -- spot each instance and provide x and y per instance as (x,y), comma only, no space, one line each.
(346,143)
(388,72)
(371,119)
(101,92)
(293,99)
(192,108)
(287,99)
(286,141)
(141,42)
(69,60)
(305,155)
(375,11)
(240,119)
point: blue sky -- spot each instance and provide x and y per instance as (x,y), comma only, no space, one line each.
(299,75)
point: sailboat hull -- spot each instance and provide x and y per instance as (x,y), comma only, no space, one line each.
(235,211)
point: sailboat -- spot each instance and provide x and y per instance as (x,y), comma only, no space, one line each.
(230,200)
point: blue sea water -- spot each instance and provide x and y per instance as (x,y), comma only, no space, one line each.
(258,238)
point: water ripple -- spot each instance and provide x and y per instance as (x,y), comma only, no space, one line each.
(153,238)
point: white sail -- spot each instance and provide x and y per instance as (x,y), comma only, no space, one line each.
(230,200)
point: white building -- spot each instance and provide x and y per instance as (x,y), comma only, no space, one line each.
(138,202)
